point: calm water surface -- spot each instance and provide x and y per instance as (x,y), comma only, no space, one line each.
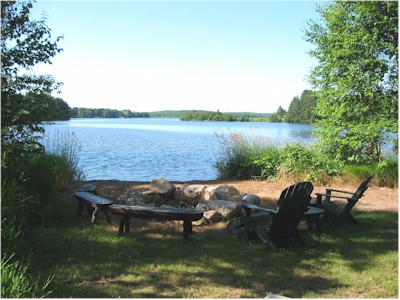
(144,149)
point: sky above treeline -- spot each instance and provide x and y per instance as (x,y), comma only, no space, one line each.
(230,56)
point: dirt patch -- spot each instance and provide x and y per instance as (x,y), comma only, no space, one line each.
(375,198)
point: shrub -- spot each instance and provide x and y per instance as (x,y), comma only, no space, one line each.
(268,161)
(302,162)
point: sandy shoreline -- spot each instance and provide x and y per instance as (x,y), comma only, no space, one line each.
(375,198)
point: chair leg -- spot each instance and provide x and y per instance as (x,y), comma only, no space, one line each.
(351,220)
(265,237)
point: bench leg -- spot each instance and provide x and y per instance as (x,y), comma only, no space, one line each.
(127,224)
(104,209)
(121,225)
(94,213)
(187,229)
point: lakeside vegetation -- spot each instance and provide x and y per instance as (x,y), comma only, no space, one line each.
(45,251)
(211,116)
(80,112)
(244,156)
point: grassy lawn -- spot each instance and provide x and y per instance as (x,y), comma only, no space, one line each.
(154,261)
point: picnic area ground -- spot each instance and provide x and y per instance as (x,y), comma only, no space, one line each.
(375,198)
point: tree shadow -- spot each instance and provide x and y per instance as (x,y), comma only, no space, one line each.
(151,261)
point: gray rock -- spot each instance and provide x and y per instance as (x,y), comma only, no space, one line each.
(168,206)
(227,209)
(194,191)
(201,206)
(162,186)
(252,199)
(135,201)
(213,215)
(122,199)
(149,196)
(222,192)
(134,194)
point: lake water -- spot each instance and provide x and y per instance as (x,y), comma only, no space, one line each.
(144,149)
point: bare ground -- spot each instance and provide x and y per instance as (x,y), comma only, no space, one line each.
(375,198)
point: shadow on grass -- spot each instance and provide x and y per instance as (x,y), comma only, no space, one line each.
(93,261)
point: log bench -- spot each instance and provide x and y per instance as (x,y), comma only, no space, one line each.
(187,216)
(93,204)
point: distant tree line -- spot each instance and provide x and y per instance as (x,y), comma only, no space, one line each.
(301,109)
(211,116)
(80,112)
(178,114)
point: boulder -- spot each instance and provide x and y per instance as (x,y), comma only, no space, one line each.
(222,192)
(162,187)
(134,194)
(170,207)
(149,196)
(135,202)
(227,209)
(209,194)
(201,206)
(236,198)
(122,199)
(252,199)
(213,215)
(194,191)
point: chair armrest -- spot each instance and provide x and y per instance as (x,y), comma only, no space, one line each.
(320,195)
(338,191)
(249,206)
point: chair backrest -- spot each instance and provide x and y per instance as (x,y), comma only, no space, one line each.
(357,195)
(362,187)
(292,204)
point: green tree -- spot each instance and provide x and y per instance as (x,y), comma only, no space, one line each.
(24,43)
(293,115)
(356,45)
(279,116)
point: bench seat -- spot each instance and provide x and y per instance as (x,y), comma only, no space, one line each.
(94,203)
(125,211)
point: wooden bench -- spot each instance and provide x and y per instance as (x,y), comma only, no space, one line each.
(187,216)
(93,204)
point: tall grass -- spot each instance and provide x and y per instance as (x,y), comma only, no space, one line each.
(17,283)
(66,145)
(30,196)
(244,156)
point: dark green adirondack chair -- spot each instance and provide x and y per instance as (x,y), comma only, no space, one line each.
(337,214)
(278,228)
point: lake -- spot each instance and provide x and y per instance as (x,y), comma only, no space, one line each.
(144,149)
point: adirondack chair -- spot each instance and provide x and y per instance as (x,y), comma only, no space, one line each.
(278,228)
(337,214)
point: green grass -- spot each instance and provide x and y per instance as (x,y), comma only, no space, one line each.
(93,261)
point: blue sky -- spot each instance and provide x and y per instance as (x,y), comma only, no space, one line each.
(148,56)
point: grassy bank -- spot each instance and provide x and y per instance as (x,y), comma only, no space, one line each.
(154,261)
(245,156)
